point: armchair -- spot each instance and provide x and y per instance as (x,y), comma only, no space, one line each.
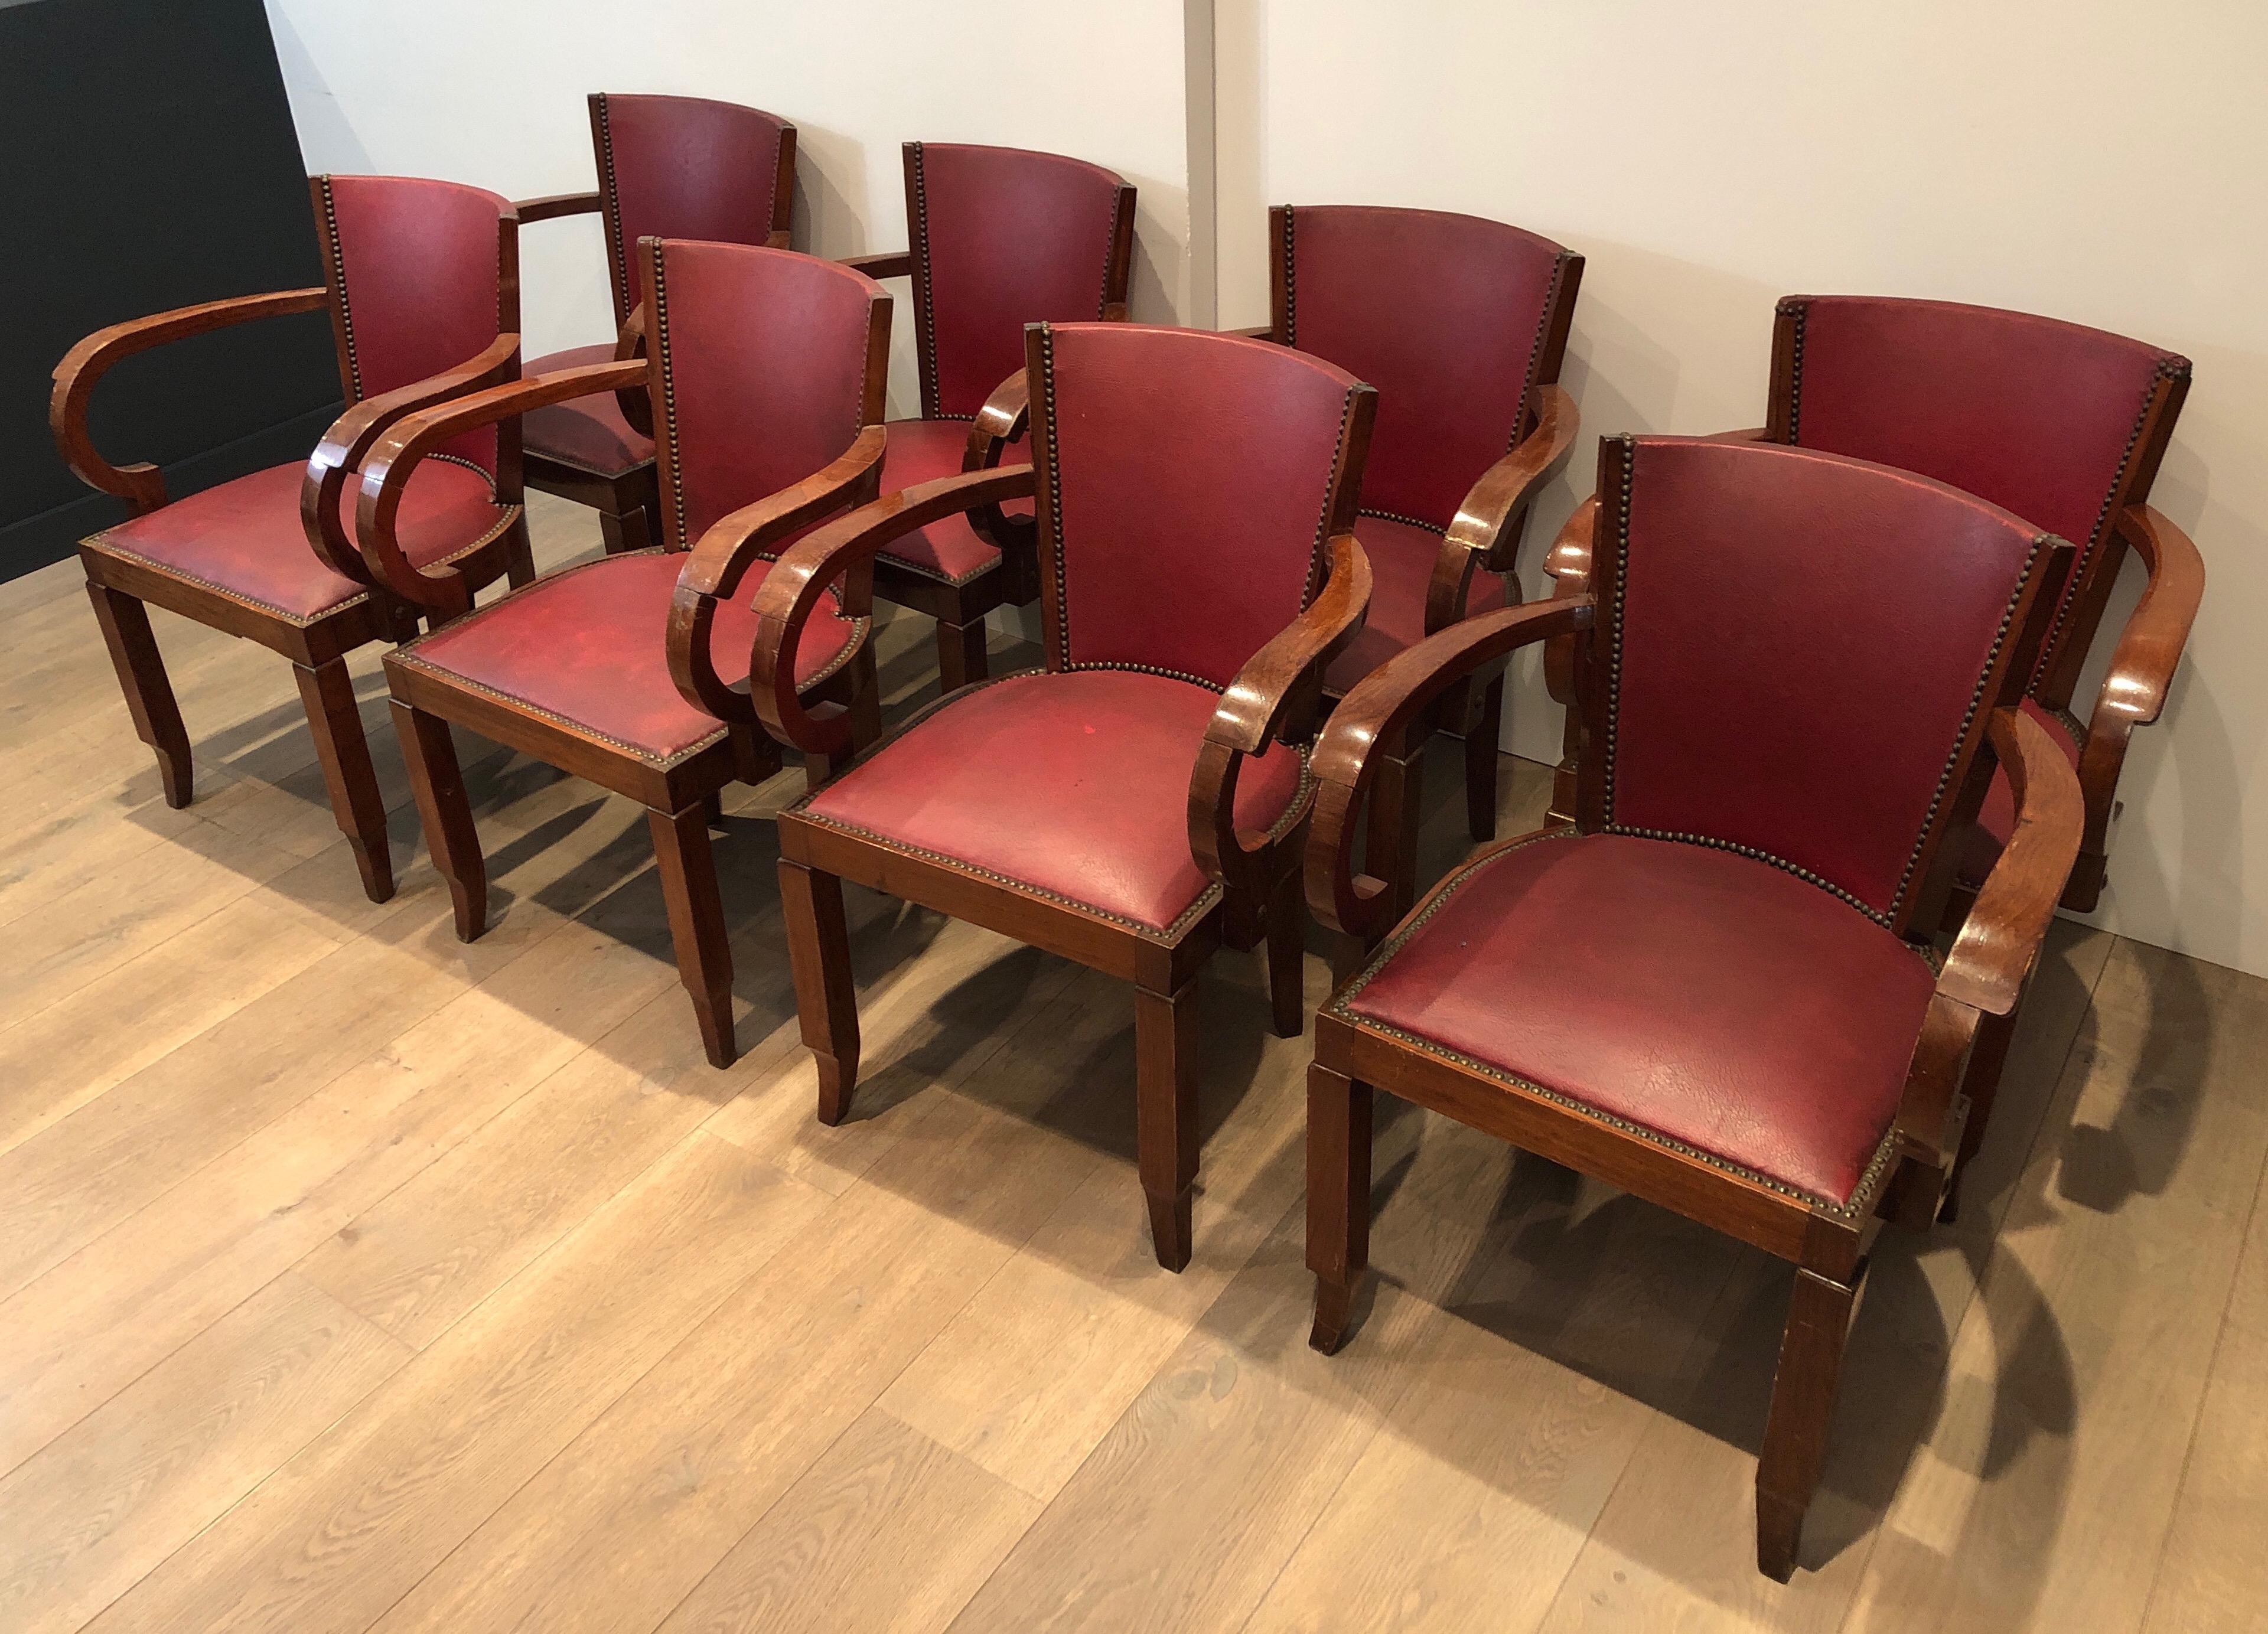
(2066,427)
(1461,323)
(420,281)
(1142,797)
(998,238)
(765,378)
(668,167)
(1716,990)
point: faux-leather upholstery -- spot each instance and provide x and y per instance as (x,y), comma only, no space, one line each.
(1402,559)
(685,167)
(2032,414)
(245,538)
(420,282)
(1192,474)
(588,433)
(922,450)
(1076,784)
(588,645)
(1446,315)
(1010,238)
(1996,817)
(763,356)
(1799,641)
(1719,1003)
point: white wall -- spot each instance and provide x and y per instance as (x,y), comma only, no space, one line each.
(2094,159)
(492,92)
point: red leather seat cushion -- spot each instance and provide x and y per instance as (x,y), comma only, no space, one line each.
(588,646)
(922,450)
(588,433)
(1720,1002)
(1998,815)
(1402,559)
(1076,784)
(244,538)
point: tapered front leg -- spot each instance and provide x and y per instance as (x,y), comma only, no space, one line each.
(445,813)
(1981,1081)
(826,999)
(333,718)
(959,653)
(125,624)
(865,701)
(1288,953)
(1485,728)
(696,924)
(1396,803)
(1166,1115)
(1339,1199)
(1802,1404)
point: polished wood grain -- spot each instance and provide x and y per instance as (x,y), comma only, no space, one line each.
(921,1367)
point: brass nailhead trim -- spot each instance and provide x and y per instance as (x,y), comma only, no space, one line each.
(1801,310)
(618,252)
(1291,305)
(1536,352)
(1342,1007)
(931,395)
(1406,521)
(338,266)
(659,341)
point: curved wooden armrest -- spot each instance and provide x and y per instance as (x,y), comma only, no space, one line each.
(844,549)
(891,264)
(551,206)
(1004,417)
(1569,564)
(1485,532)
(637,406)
(2142,664)
(1378,710)
(734,543)
(385,472)
(1273,698)
(143,486)
(2001,936)
(354,432)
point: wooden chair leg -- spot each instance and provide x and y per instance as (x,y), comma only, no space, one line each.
(826,999)
(1564,779)
(959,653)
(1166,1115)
(1795,1430)
(631,525)
(520,569)
(712,808)
(1288,953)
(865,701)
(1980,1083)
(134,654)
(1485,728)
(1339,1199)
(1396,803)
(333,716)
(445,813)
(696,924)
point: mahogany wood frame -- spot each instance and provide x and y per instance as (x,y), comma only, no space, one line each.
(1274,699)
(680,794)
(1980,982)
(1485,535)
(960,606)
(122,587)
(629,502)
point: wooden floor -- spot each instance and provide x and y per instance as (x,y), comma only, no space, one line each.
(353,1279)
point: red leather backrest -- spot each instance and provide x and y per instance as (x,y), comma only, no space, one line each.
(416,272)
(1450,317)
(1797,647)
(763,358)
(1003,237)
(1185,490)
(684,167)
(2035,414)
